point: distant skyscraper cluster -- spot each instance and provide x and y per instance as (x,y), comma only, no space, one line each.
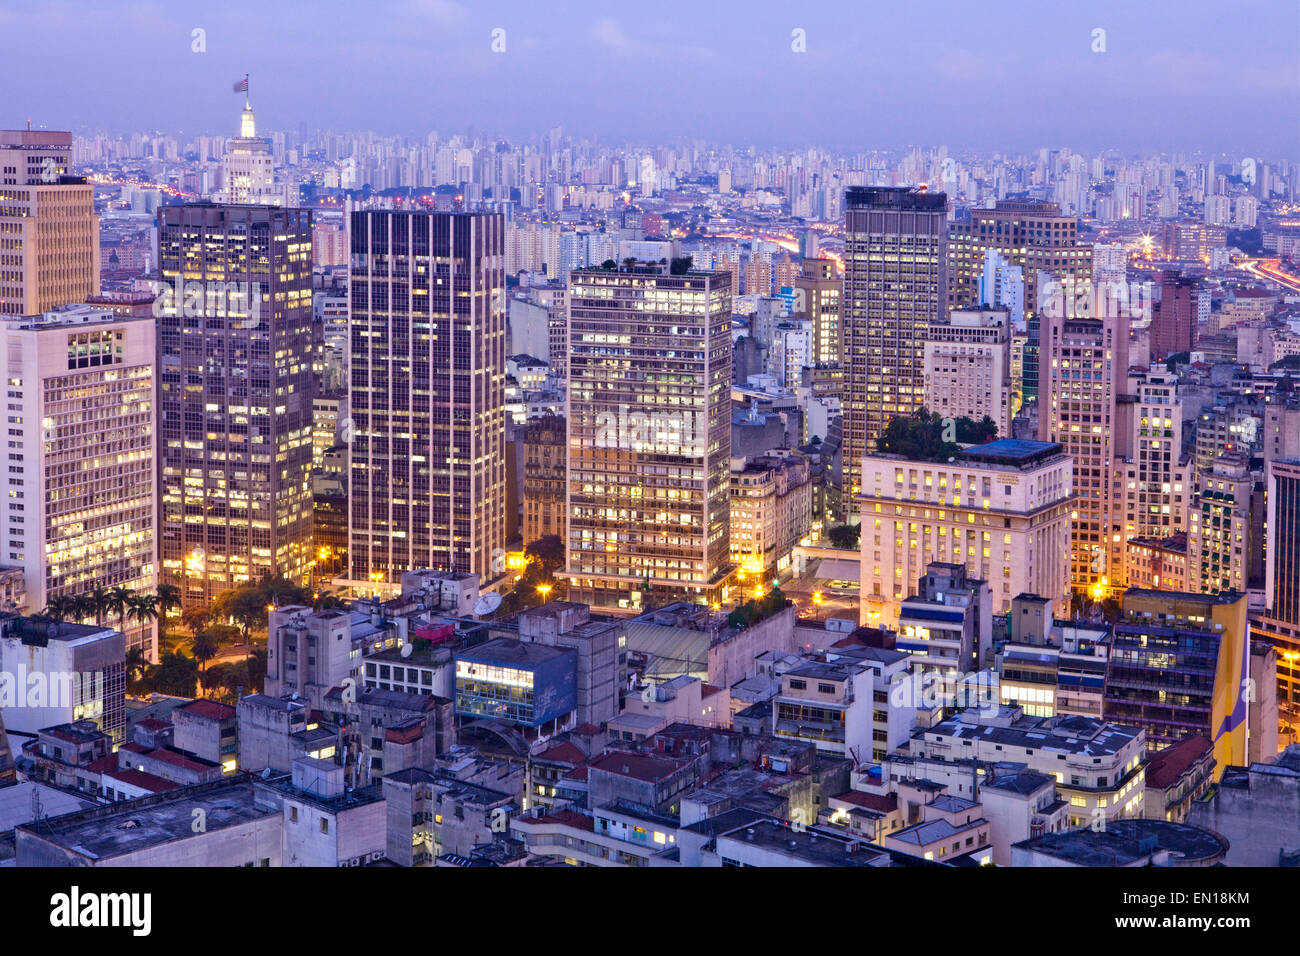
(645,505)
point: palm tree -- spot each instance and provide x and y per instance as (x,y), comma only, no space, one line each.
(169,596)
(205,648)
(136,663)
(83,606)
(117,600)
(99,604)
(142,608)
(59,609)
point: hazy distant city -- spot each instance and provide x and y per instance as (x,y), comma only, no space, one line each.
(689,474)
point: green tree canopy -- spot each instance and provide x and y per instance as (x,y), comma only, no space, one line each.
(844,535)
(927,436)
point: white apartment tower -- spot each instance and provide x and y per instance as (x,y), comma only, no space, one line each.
(1157,487)
(80,505)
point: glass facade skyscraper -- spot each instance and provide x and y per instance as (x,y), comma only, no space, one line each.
(427,483)
(235,390)
(895,277)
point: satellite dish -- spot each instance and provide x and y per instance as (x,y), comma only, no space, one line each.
(487,603)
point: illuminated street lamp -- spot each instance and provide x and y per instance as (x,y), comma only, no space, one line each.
(543,590)
(1291,658)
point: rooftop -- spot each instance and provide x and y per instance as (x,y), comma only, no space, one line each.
(105,832)
(1129,841)
(1025,783)
(209,709)
(1017,452)
(504,650)
(638,766)
(811,845)
(1083,736)
(1165,767)
(931,831)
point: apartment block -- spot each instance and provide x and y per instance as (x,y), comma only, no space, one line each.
(968,367)
(80,489)
(49,231)
(771,511)
(1001,509)
(649,417)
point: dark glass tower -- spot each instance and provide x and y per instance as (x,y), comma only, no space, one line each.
(895,280)
(235,391)
(428,355)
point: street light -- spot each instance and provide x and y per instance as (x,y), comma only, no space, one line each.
(543,590)
(1291,658)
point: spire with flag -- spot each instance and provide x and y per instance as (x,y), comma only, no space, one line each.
(247,126)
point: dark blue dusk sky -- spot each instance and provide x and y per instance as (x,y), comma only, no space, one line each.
(983,74)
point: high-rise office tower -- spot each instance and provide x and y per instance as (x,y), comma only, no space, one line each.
(895,280)
(235,389)
(248,168)
(1282,577)
(818,291)
(1031,235)
(80,487)
(1157,483)
(427,482)
(1173,324)
(1085,368)
(49,233)
(649,413)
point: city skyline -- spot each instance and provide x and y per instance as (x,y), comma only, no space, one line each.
(1010,76)
(447,451)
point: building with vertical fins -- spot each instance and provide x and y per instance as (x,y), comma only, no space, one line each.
(1084,372)
(427,484)
(895,286)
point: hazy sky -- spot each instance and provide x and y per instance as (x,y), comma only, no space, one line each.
(1219,75)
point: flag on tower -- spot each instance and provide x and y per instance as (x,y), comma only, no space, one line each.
(242,85)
